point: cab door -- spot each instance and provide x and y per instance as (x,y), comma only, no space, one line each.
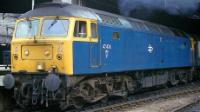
(94,45)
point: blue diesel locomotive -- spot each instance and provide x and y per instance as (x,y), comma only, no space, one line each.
(75,55)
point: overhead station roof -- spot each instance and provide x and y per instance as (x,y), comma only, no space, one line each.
(7,23)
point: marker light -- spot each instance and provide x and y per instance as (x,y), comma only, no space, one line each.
(46,53)
(26,52)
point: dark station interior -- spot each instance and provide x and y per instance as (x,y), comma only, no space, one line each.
(189,23)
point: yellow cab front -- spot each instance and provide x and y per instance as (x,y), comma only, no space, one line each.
(42,43)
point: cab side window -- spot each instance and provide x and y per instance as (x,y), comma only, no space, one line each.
(94,30)
(80,29)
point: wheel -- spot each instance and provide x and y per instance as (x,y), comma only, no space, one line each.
(173,80)
(124,90)
(183,78)
(23,95)
(78,102)
(105,100)
(130,84)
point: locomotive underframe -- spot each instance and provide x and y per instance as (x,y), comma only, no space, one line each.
(78,90)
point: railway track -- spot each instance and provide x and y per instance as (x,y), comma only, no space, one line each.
(193,107)
(134,101)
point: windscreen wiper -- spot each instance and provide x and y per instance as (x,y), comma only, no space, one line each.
(29,24)
(53,22)
(30,27)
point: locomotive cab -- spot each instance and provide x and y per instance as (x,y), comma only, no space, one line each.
(40,44)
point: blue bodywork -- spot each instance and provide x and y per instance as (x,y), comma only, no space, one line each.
(134,50)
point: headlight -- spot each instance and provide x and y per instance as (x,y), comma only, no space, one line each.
(16,50)
(26,52)
(46,53)
(40,66)
(15,53)
(16,57)
(59,56)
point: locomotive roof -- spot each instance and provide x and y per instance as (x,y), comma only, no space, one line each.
(60,9)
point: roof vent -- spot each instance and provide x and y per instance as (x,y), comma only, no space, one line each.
(52,4)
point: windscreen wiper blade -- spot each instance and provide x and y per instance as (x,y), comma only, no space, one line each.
(53,23)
